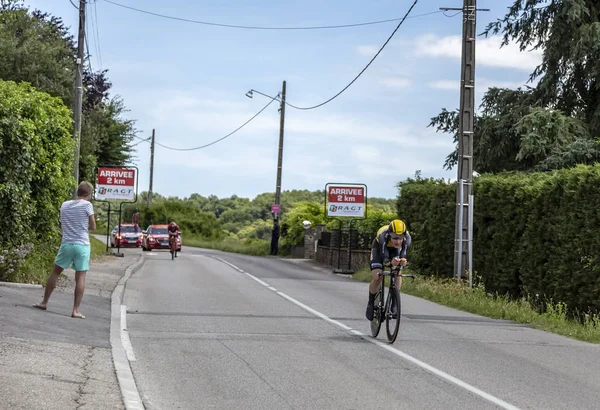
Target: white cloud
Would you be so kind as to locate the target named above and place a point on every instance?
(371, 162)
(186, 121)
(318, 146)
(366, 153)
(396, 82)
(310, 168)
(487, 51)
(444, 84)
(368, 51)
(480, 84)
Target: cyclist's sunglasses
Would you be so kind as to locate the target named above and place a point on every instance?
(396, 237)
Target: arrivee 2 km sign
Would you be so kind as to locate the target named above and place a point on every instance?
(346, 199)
(115, 183)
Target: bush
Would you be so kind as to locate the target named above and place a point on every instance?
(36, 160)
(428, 208)
(534, 234)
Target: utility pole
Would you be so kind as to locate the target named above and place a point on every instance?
(280, 155)
(151, 169)
(275, 235)
(464, 185)
(79, 89)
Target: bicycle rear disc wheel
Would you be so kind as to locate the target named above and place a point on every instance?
(392, 321)
(376, 322)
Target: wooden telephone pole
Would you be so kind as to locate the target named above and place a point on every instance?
(464, 187)
(77, 108)
(275, 234)
(151, 169)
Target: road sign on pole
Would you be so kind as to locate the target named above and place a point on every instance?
(346, 200)
(116, 183)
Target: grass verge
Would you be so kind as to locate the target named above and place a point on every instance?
(256, 248)
(448, 293)
(37, 266)
(97, 249)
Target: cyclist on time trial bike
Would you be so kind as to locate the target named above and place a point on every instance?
(173, 230)
(389, 248)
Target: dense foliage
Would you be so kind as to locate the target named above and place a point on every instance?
(243, 219)
(534, 234)
(37, 48)
(36, 155)
(555, 122)
(37, 72)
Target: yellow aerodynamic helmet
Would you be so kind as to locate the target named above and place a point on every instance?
(397, 227)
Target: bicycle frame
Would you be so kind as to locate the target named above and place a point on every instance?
(383, 310)
(173, 245)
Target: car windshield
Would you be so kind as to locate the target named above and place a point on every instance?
(129, 229)
(159, 231)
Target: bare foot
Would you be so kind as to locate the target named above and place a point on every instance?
(77, 315)
(40, 306)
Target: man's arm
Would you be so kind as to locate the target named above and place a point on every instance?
(92, 221)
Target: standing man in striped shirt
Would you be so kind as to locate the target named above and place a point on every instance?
(76, 219)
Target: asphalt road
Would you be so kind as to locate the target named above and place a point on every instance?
(217, 330)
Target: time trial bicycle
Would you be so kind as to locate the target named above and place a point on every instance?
(390, 310)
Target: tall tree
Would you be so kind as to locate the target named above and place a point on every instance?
(568, 32)
(556, 123)
(37, 48)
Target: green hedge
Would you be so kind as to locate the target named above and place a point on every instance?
(427, 206)
(36, 159)
(534, 234)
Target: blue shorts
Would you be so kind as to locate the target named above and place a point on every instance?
(78, 254)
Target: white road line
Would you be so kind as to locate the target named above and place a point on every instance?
(245, 273)
(125, 335)
(389, 348)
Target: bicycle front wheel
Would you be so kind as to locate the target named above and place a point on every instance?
(377, 316)
(392, 314)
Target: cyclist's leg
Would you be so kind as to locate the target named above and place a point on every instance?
(375, 280)
(376, 268)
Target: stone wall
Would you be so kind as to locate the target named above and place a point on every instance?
(317, 247)
(311, 236)
(338, 258)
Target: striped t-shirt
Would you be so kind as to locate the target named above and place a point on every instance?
(74, 219)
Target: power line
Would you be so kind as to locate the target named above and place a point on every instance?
(220, 139)
(451, 15)
(87, 46)
(364, 69)
(142, 140)
(207, 23)
(95, 24)
(71, 1)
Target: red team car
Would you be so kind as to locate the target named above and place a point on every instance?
(157, 237)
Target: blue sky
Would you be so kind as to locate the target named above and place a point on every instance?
(188, 82)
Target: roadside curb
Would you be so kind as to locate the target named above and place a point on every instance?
(20, 285)
(129, 392)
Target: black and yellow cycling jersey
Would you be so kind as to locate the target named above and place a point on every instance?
(382, 250)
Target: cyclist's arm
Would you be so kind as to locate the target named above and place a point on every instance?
(385, 251)
(405, 245)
